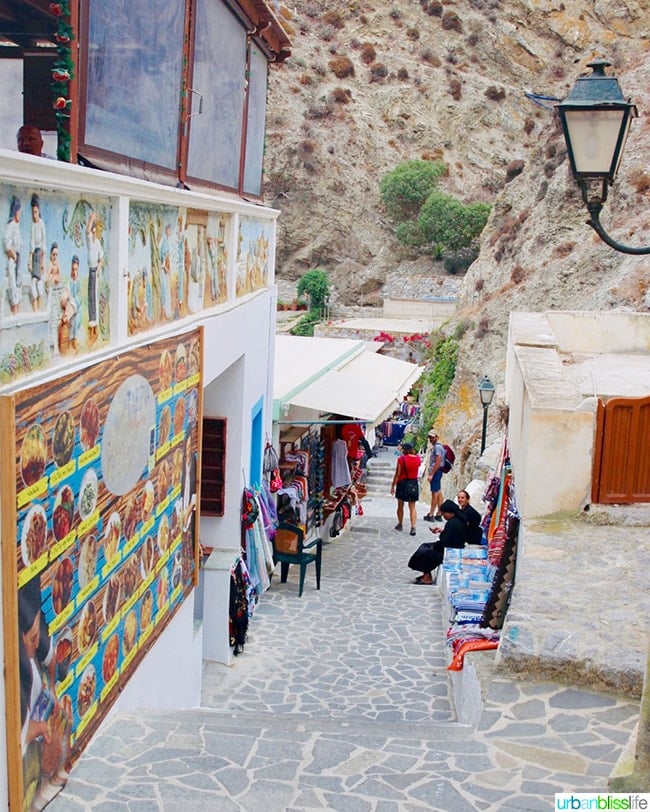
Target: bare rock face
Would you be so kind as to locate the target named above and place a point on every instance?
(449, 81)
(430, 80)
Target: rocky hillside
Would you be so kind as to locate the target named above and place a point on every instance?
(372, 84)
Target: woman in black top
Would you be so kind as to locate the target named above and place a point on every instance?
(472, 517)
(429, 556)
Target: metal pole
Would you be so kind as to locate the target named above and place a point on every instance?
(484, 432)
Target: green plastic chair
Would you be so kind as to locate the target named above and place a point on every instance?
(289, 548)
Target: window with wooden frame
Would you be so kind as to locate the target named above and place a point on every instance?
(176, 92)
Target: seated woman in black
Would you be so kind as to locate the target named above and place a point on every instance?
(428, 556)
(472, 517)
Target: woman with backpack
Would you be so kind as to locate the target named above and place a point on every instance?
(405, 485)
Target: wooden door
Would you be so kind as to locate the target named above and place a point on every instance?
(622, 452)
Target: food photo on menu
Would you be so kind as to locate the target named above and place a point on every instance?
(99, 524)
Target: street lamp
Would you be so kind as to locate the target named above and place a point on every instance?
(595, 119)
(486, 391)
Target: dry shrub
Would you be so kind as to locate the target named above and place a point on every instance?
(402, 74)
(326, 32)
(363, 19)
(378, 71)
(340, 96)
(495, 93)
(434, 9)
(306, 79)
(514, 169)
(368, 53)
(433, 155)
(529, 126)
(321, 109)
(308, 146)
(518, 274)
(640, 180)
(541, 192)
(455, 89)
(413, 34)
(472, 40)
(564, 249)
(452, 22)
(479, 285)
(428, 55)
(334, 18)
(341, 66)
(482, 328)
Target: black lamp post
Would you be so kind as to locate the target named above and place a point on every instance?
(596, 119)
(486, 391)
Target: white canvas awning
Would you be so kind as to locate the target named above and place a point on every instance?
(367, 387)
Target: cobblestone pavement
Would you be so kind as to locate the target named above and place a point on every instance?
(341, 701)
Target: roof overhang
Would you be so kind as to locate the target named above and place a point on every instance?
(364, 386)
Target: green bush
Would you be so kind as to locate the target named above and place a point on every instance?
(410, 234)
(435, 383)
(316, 284)
(404, 189)
(449, 224)
(305, 327)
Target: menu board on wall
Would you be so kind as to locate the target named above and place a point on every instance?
(103, 516)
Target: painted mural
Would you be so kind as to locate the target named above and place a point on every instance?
(178, 263)
(102, 548)
(253, 241)
(54, 282)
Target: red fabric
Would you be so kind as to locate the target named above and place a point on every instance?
(352, 433)
(409, 465)
(471, 645)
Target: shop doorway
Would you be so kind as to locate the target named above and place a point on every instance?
(621, 473)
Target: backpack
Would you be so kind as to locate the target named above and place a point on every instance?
(450, 459)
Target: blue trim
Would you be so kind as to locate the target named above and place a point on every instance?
(257, 426)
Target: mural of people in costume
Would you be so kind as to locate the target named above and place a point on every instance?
(12, 244)
(37, 253)
(95, 262)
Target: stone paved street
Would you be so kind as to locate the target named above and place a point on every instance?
(341, 701)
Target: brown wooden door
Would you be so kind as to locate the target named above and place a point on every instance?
(622, 451)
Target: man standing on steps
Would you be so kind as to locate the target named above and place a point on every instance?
(434, 475)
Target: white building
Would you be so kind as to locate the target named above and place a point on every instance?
(137, 322)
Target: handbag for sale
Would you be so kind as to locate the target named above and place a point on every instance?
(276, 480)
(270, 459)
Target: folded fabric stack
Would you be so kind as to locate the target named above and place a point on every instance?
(479, 580)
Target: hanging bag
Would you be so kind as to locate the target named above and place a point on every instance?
(276, 480)
(270, 460)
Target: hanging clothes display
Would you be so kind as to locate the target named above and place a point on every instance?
(258, 547)
(238, 607)
(340, 471)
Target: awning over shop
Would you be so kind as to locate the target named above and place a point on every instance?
(367, 387)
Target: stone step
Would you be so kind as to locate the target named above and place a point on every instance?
(223, 720)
